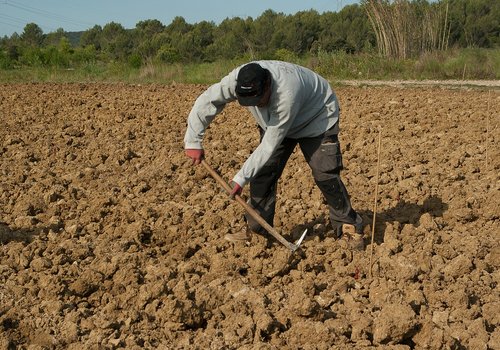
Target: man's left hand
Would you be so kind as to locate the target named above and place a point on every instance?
(237, 189)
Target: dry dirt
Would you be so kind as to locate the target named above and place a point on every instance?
(109, 238)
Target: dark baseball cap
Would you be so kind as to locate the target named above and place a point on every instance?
(250, 84)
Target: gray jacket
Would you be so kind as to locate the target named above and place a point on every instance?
(302, 104)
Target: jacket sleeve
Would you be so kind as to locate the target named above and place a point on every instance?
(207, 106)
(281, 117)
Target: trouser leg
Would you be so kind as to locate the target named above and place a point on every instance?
(263, 186)
(324, 156)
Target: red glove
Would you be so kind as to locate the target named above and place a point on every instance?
(237, 189)
(196, 155)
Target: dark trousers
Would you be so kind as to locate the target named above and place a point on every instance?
(324, 156)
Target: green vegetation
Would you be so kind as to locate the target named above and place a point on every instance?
(378, 39)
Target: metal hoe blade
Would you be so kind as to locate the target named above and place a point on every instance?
(296, 245)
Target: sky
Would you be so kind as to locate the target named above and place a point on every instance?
(80, 15)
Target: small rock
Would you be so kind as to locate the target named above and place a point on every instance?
(51, 197)
(464, 215)
(114, 342)
(25, 221)
(440, 318)
(491, 313)
(427, 222)
(73, 229)
(87, 283)
(479, 334)
(393, 324)
(40, 264)
(494, 342)
(69, 331)
(457, 267)
(493, 257)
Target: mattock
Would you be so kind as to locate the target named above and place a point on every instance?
(253, 213)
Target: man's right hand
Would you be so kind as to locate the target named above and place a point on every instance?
(196, 155)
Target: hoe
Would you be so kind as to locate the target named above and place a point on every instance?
(292, 246)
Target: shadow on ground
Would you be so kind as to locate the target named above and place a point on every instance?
(403, 213)
(7, 234)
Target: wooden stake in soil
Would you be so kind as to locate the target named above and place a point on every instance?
(487, 128)
(375, 200)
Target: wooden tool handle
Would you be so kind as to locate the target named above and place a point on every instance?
(251, 211)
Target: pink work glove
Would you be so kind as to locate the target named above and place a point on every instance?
(237, 189)
(195, 154)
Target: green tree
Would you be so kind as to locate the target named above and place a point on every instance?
(357, 31)
(115, 41)
(348, 30)
(179, 39)
(264, 29)
(304, 28)
(192, 45)
(54, 38)
(203, 33)
(149, 28)
(12, 47)
(92, 37)
(32, 35)
(64, 46)
(145, 43)
(476, 23)
(178, 26)
(231, 39)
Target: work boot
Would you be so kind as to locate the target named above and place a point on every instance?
(353, 239)
(243, 236)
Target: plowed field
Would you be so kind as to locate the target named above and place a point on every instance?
(109, 238)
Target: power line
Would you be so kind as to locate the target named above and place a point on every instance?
(16, 23)
(10, 24)
(47, 14)
(19, 23)
(14, 19)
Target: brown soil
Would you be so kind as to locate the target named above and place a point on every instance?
(109, 238)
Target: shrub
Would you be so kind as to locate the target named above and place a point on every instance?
(52, 56)
(85, 55)
(5, 61)
(285, 55)
(31, 56)
(168, 54)
(135, 61)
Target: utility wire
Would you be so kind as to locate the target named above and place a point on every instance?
(20, 23)
(10, 24)
(14, 19)
(47, 14)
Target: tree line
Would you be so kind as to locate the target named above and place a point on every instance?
(394, 28)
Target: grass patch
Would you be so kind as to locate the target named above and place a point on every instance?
(452, 64)
(459, 64)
